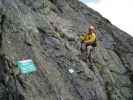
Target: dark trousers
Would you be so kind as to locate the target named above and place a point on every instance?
(87, 50)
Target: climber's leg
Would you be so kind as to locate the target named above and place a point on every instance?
(83, 51)
(93, 54)
(89, 52)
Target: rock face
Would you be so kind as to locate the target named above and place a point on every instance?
(47, 31)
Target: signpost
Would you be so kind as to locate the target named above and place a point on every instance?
(26, 66)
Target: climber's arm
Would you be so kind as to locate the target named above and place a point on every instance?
(82, 38)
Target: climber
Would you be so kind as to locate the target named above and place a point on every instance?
(88, 41)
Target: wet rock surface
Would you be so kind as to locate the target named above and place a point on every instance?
(47, 31)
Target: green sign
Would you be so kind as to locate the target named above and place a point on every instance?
(26, 66)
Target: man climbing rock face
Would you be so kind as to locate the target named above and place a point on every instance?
(88, 41)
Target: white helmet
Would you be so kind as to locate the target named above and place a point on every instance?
(92, 27)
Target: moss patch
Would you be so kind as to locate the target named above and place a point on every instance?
(99, 66)
(58, 34)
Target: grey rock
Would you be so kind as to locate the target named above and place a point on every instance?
(47, 31)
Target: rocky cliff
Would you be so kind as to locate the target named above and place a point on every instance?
(47, 31)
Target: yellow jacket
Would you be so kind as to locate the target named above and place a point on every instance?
(88, 38)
